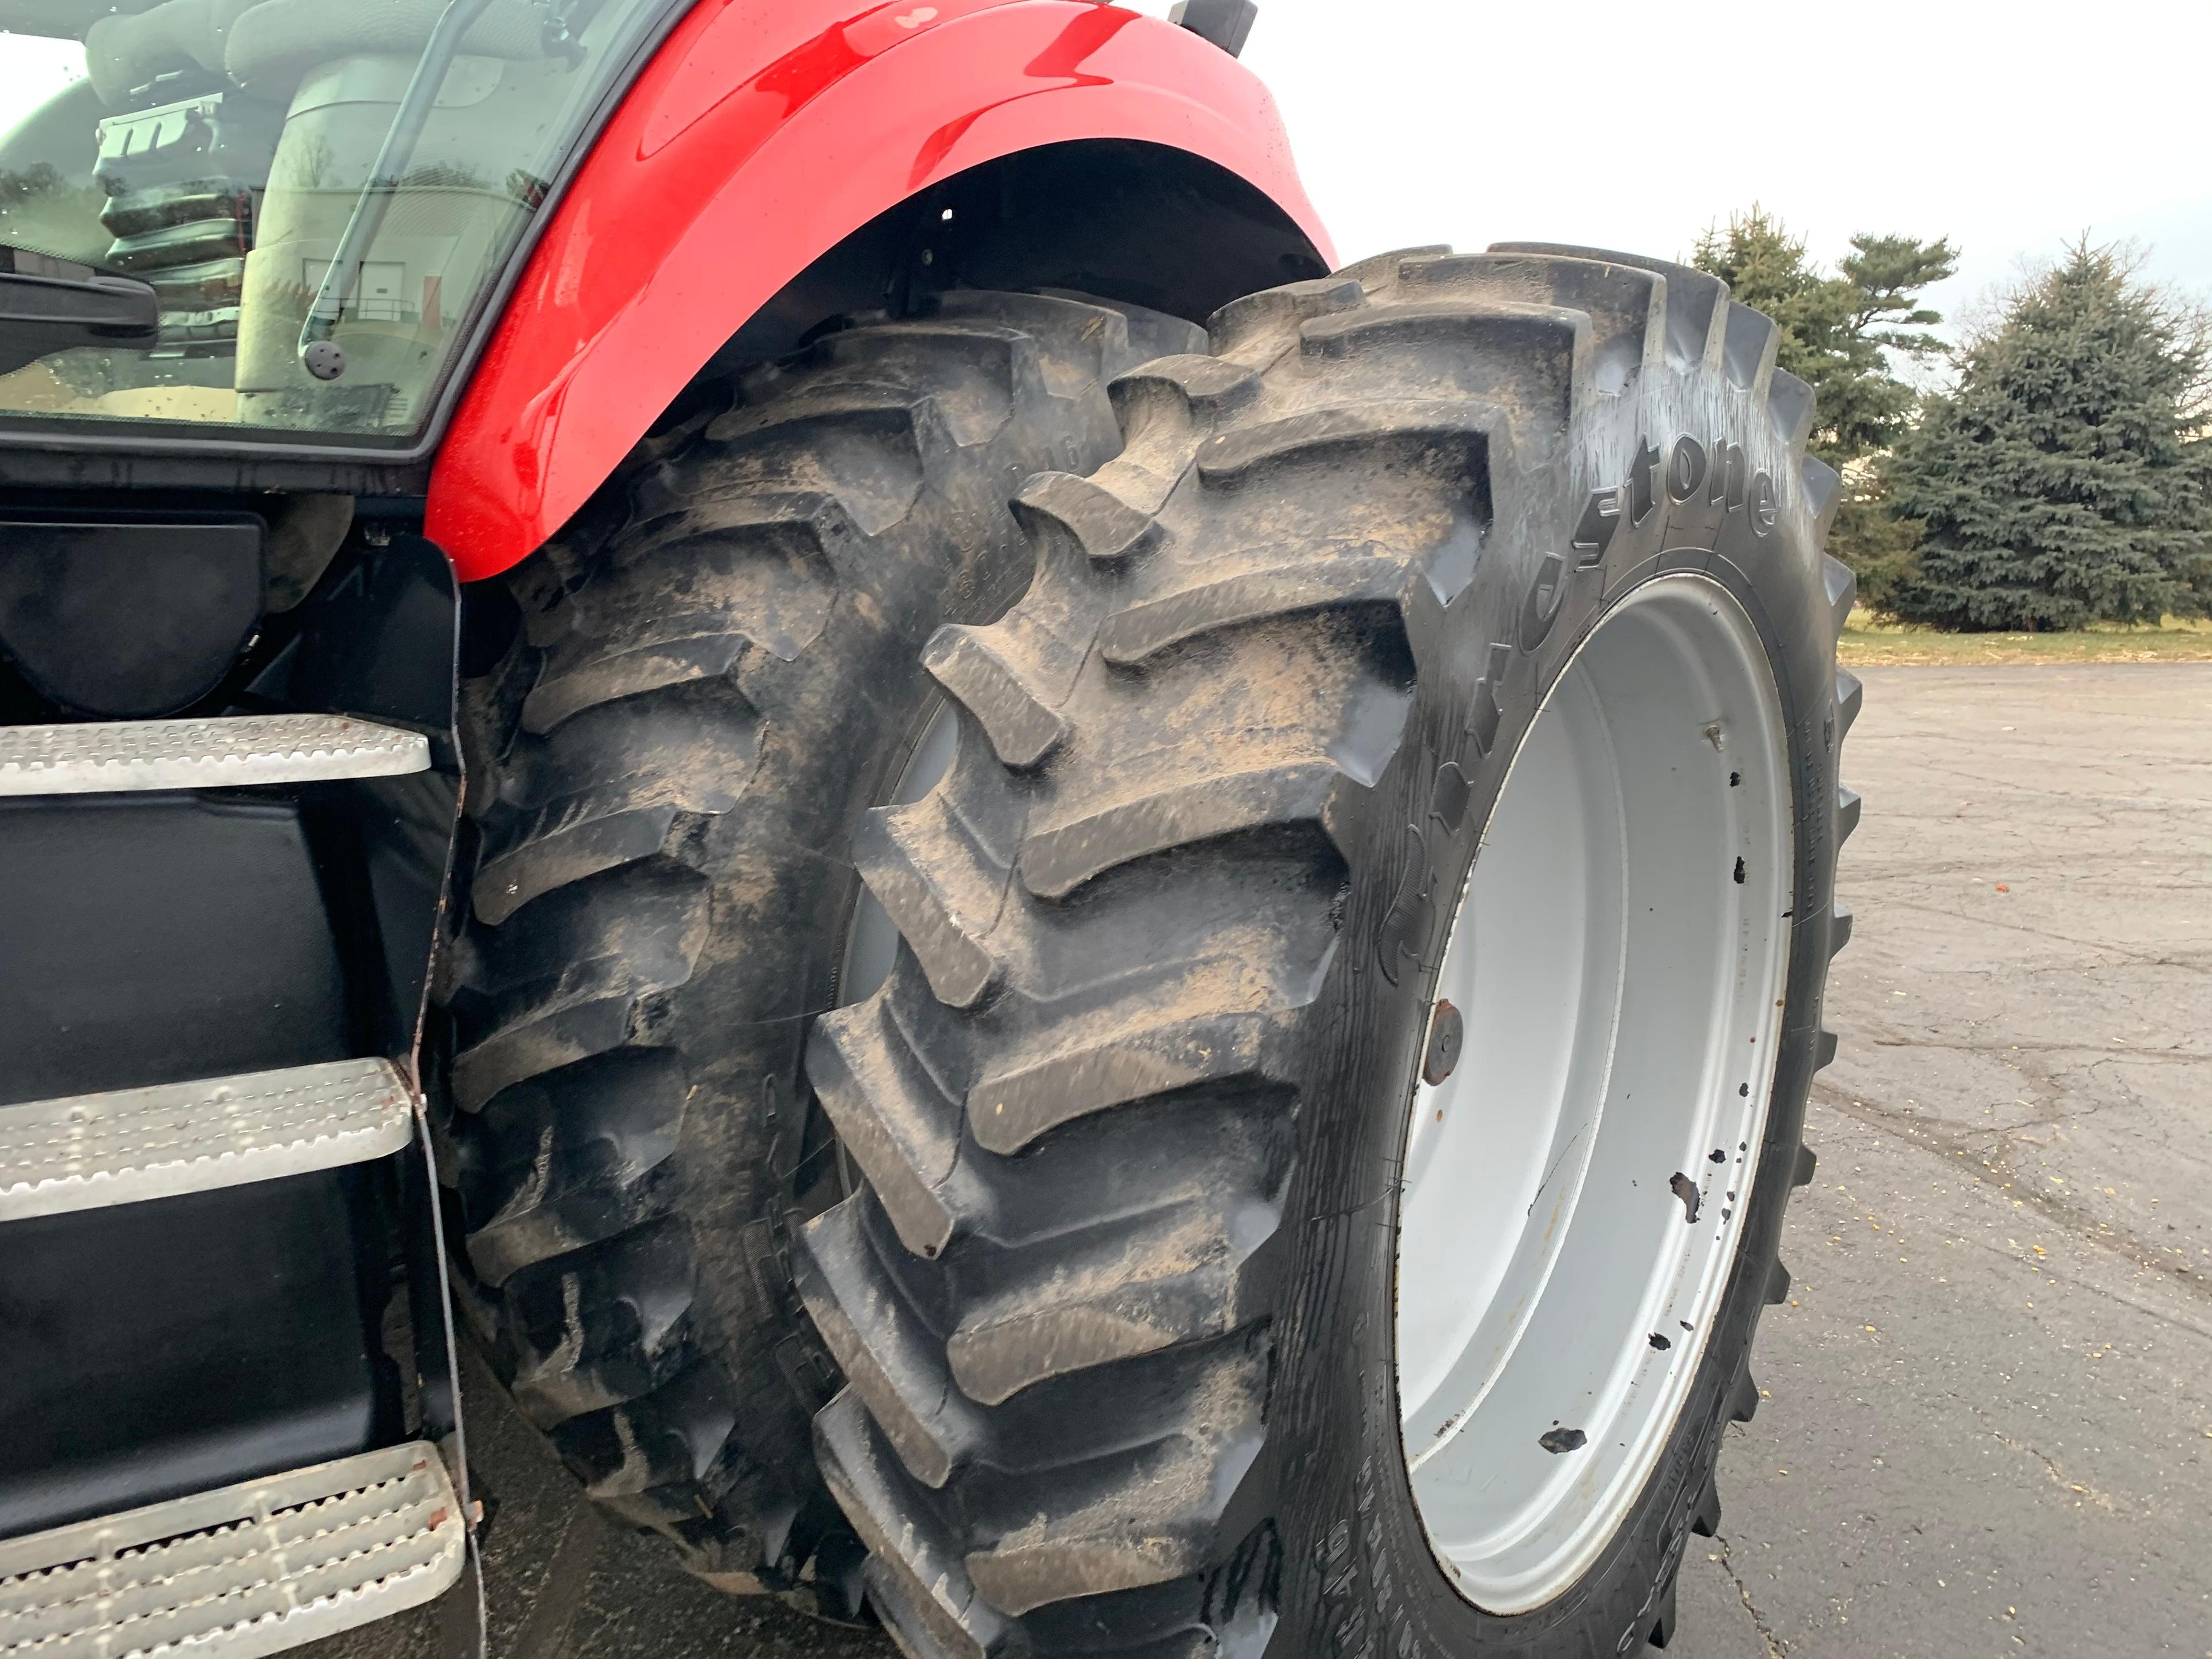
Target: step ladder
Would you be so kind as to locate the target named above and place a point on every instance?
(250, 1569)
(264, 1565)
(131, 1144)
(213, 754)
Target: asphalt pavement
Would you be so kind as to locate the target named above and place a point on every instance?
(1986, 1417)
(1989, 1421)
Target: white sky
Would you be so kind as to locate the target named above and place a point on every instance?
(31, 69)
(2009, 126)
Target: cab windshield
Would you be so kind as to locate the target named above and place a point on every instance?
(320, 192)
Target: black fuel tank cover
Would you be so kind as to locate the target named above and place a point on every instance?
(126, 617)
(1227, 23)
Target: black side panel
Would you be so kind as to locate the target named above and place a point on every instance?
(148, 1351)
(377, 641)
(382, 844)
(152, 939)
(380, 642)
(123, 618)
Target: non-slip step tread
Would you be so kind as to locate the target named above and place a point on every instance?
(245, 1572)
(109, 756)
(132, 1144)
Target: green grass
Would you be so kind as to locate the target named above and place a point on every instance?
(1869, 641)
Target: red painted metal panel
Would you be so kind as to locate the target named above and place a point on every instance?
(761, 134)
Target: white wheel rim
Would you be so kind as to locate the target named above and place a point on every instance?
(1622, 996)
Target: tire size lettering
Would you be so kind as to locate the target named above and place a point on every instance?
(1406, 932)
(1686, 470)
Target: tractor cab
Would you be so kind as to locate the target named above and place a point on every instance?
(323, 200)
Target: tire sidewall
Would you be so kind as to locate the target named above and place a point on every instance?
(1361, 1578)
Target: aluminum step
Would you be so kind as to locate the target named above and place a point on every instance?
(87, 1151)
(252, 1569)
(221, 754)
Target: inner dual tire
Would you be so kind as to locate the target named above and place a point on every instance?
(717, 674)
(1272, 1226)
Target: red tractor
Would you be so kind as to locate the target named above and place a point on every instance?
(1048, 924)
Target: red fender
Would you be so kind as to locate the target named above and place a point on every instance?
(761, 134)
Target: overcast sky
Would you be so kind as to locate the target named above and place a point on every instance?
(31, 70)
(2007, 126)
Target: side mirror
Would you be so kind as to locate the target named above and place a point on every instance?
(49, 305)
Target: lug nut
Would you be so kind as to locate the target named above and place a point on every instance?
(1447, 1032)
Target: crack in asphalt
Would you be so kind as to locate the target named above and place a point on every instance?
(2070, 1218)
(2035, 1077)
(2103, 1500)
(1776, 1647)
(2145, 958)
(2072, 1282)
(2103, 1054)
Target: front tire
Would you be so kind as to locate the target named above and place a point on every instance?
(1117, 1304)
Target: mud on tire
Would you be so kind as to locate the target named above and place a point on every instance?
(1114, 1302)
(718, 672)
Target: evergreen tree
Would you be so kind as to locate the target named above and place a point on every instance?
(2065, 480)
(1839, 333)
